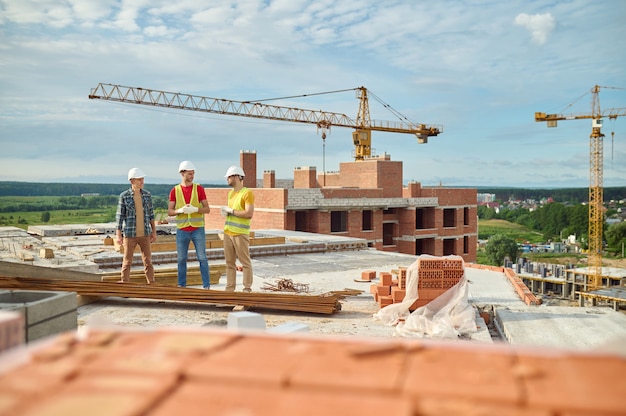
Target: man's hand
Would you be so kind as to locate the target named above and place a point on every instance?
(180, 210)
(226, 210)
(189, 209)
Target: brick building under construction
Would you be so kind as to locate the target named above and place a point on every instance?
(365, 199)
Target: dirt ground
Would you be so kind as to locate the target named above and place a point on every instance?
(355, 317)
(615, 263)
(606, 262)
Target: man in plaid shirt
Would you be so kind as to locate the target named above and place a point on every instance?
(135, 225)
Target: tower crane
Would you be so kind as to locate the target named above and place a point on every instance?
(363, 125)
(596, 175)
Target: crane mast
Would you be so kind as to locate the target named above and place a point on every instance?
(596, 177)
(362, 125)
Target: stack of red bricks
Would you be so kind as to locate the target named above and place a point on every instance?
(200, 371)
(435, 276)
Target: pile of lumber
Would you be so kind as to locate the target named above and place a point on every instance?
(320, 304)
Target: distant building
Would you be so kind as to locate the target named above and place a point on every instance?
(365, 199)
(484, 198)
(90, 194)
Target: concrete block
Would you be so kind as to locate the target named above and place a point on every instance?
(45, 313)
(55, 325)
(288, 328)
(46, 253)
(246, 320)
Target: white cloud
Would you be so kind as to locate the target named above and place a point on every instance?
(539, 25)
(453, 63)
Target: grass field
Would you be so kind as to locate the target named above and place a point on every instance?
(521, 234)
(87, 216)
(23, 211)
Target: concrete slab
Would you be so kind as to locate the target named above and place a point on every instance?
(491, 288)
(561, 326)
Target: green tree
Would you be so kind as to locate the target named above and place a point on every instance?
(500, 246)
(616, 236)
(45, 216)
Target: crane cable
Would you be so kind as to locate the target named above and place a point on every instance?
(299, 96)
(400, 116)
(612, 122)
(395, 112)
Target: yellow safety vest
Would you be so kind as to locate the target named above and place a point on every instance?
(237, 225)
(188, 220)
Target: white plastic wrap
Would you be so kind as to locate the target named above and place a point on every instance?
(447, 316)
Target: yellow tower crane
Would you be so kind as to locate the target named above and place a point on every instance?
(324, 120)
(596, 176)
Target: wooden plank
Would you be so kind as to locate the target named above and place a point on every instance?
(29, 270)
(266, 241)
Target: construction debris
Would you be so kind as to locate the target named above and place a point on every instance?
(343, 293)
(286, 285)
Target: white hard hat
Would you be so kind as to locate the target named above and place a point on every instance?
(185, 165)
(135, 173)
(234, 170)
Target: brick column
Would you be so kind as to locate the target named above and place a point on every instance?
(269, 179)
(247, 161)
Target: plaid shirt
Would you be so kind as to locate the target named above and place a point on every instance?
(126, 216)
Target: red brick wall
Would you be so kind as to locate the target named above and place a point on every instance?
(305, 177)
(373, 173)
(451, 196)
(412, 190)
(406, 219)
(390, 178)
(330, 179)
(323, 222)
(371, 178)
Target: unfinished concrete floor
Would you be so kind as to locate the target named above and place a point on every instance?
(549, 326)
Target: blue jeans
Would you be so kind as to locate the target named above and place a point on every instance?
(198, 237)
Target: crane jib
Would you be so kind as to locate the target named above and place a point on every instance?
(135, 95)
(363, 125)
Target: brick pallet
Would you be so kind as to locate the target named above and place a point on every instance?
(435, 276)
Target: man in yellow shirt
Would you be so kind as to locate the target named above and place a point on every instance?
(238, 215)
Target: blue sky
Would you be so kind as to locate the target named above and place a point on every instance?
(478, 68)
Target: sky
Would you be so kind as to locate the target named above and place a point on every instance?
(478, 69)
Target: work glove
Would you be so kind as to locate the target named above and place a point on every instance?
(190, 209)
(180, 210)
(226, 210)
